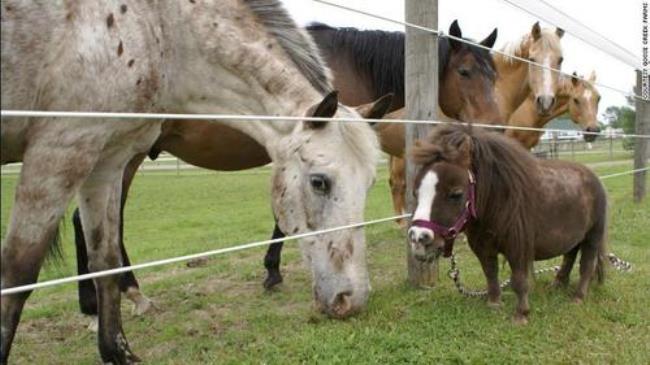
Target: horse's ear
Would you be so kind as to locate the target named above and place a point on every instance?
(376, 109)
(574, 79)
(592, 76)
(491, 39)
(325, 109)
(454, 30)
(559, 32)
(536, 32)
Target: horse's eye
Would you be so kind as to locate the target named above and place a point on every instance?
(575, 100)
(532, 59)
(455, 196)
(598, 100)
(320, 183)
(463, 72)
(559, 62)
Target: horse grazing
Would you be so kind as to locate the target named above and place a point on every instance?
(507, 202)
(577, 97)
(235, 56)
(517, 79)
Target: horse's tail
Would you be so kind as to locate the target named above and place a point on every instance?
(54, 249)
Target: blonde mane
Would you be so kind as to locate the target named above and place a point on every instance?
(519, 47)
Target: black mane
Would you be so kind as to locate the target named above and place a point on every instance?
(378, 53)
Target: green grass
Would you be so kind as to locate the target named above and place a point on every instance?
(219, 313)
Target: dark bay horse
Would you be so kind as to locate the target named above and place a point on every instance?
(466, 80)
(507, 202)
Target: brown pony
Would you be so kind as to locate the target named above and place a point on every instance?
(507, 202)
(577, 97)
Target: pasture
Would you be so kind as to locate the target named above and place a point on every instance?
(219, 313)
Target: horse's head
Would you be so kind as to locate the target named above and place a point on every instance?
(322, 172)
(543, 47)
(444, 189)
(467, 78)
(583, 105)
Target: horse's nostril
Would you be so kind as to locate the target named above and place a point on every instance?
(424, 238)
(342, 303)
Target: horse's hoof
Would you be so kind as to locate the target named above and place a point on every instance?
(494, 305)
(141, 304)
(119, 352)
(520, 320)
(577, 300)
(272, 280)
(93, 326)
(200, 262)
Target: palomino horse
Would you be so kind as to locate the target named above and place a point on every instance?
(188, 57)
(467, 78)
(578, 97)
(507, 202)
(517, 79)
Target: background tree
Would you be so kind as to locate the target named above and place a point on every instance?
(623, 117)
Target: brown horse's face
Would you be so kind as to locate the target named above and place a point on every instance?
(468, 80)
(583, 106)
(544, 48)
(441, 193)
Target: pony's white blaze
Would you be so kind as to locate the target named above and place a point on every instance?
(426, 194)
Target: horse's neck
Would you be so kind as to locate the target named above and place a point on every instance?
(231, 65)
(512, 84)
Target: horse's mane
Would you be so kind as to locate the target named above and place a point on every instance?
(296, 43)
(506, 178)
(374, 53)
(378, 53)
(305, 55)
(549, 39)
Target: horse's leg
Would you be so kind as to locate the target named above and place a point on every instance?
(520, 286)
(128, 283)
(99, 204)
(272, 260)
(490, 265)
(588, 262)
(397, 182)
(562, 276)
(49, 177)
(86, 288)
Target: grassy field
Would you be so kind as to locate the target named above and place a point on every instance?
(219, 313)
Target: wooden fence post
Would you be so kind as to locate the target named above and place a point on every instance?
(641, 144)
(421, 73)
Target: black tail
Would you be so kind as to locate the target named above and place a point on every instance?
(54, 249)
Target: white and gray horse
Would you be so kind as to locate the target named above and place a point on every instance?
(226, 56)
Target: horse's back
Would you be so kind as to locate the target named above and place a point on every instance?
(574, 204)
(69, 56)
